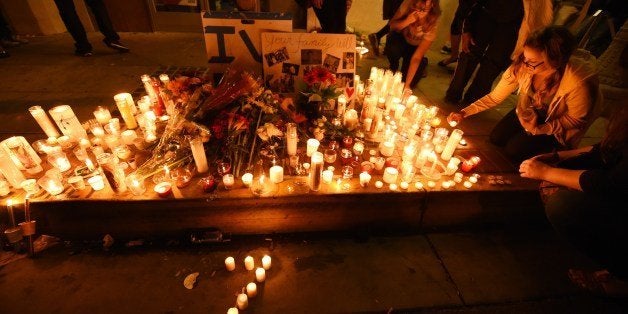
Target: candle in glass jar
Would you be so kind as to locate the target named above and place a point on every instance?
(316, 170)
(96, 182)
(276, 174)
(341, 105)
(230, 263)
(365, 178)
(126, 106)
(358, 148)
(247, 179)
(44, 121)
(128, 136)
(102, 115)
(292, 139)
(350, 119)
(452, 143)
(266, 262)
(232, 310)
(251, 290)
(390, 175)
(327, 176)
(198, 152)
(312, 146)
(228, 181)
(260, 274)
(387, 148)
(67, 122)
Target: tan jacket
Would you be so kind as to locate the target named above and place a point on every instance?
(576, 103)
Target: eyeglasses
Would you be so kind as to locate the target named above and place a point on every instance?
(532, 66)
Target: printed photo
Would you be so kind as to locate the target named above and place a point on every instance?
(344, 79)
(283, 84)
(290, 68)
(348, 60)
(279, 55)
(311, 56)
(331, 63)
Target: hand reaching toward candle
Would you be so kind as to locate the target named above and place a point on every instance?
(533, 169)
(455, 118)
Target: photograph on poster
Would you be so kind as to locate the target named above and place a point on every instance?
(311, 56)
(279, 55)
(290, 68)
(331, 63)
(348, 60)
(344, 79)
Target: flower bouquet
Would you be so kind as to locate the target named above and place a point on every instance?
(317, 89)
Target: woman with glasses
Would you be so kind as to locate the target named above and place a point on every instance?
(413, 30)
(558, 96)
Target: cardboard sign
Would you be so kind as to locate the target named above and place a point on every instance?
(287, 56)
(233, 38)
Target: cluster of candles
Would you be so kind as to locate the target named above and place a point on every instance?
(250, 291)
(105, 156)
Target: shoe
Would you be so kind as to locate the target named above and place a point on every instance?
(19, 39)
(374, 41)
(445, 50)
(10, 43)
(86, 53)
(116, 45)
(445, 62)
(599, 283)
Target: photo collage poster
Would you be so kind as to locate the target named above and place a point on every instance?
(288, 56)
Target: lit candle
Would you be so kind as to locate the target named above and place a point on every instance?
(228, 181)
(418, 185)
(292, 139)
(435, 122)
(387, 148)
(128, 136)
(44, 121)
(266, 262)
(328, 176)
(102, 115)
(379, 163)
(96, 182)
(341, 105)
(390, 175)
(399, 110)
(393, 187)
(365, 178)
(247, 179)
(242, 301)
(249, 263)
(445, 185)
(251, 290)
(163, 189)
(452, 143)
(408, 153)
(316, 171)
(312, 146)
(135, 184)
(404, 185)
(126, 106)
(467, 184)
(232, 310)
(473, 179)
(431, 184)
(379, 184)
(351, 119)
(230, 263)
(276, 174)
(260, 274)
(358, 148)
(463, 142)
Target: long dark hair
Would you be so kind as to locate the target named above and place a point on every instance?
(557, 43)
(432, 16)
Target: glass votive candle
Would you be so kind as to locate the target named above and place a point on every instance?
(102, 115)
(123, 152)
(80, 153)
(112, 141)
(365, 178)
(327, 176)
(29, 186)
(333, 144)
(40, 146)
(128, 136)
(113, 127)
(312, 146)
(358, 148)
(182, 177)
(228, 181)
(59, 160)
(96, 182)
(135, 184)
(51, 184)
(379, 163)
(347, 172)
(247, 179)
(347, 142)
(96, 128)
(346, 156)
(329, 155)
(390, 175)
(77, 183)
(64, 141)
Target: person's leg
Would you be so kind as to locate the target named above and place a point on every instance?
(333, 17)
(5, 31)
(394, 49)
(505, 129)
(467, 62)
(595, 225)
(102, 19)
(374, 38)
(67, 11)
(522, 146)
(383, 31)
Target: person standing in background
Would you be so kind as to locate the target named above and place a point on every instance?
(388, 9)
(70, 18)
(332, 14)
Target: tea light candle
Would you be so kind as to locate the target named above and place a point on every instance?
(393, 187)
(431, 184)
(418, 185)
(379, 184)
(365, 178)
(467, 184)
(312, 146)
(232, 310)
(445, 185)
(247, 179)
(249, 263)
(276, 174)
(163, 189)
(228, 181)
(379, 163)
(230, 263)
(266, 262)
(404, 185)
(473, 179)
(102, 115)
(390, 175)
(463, 142)
(98, 131)
(128, 136)
(327, 176)
(96, 182)
(260, 274)
(251, 290)
(387, 148)
(358, 148)
(242, 301)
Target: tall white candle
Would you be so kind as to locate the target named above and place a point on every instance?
(312, 146)
(387, 148)
(452, 143)
(67, 122)
(341, 105)
(266, 262)
(276, 174)
(10, 171)
(44, 121)
(292, 139)
(230, 263)
(102, 115)
(249, 263)
(260, 274)
(198, 152)
(126, 106)
(242, 301)
(251, 290)
(316, 170)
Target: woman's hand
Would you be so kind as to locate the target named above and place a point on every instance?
(528, 124)
(549, 158)
(455, 118)
(533, 169)
(466, 40)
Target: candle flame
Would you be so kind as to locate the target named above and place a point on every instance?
(10, 202)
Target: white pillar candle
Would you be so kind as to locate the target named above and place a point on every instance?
(128, 136)
(247, 179)
(312, 146)
(390, 175)
(198, 152)
(102, 115)
(276, 174)
(379, 184)
(452, 143)
(266, 262)
(249, 263)
(404, 185)
(328, 176)
(251, 290)
(387, 148)
(341, 105)
(365, 178)
(292, 138)
(351, 119)
(260, 274)
(67, 122)
(44, 121)
(316, 171)
(228, 181)
(242, 301)
(230, 263)
(232, 310)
